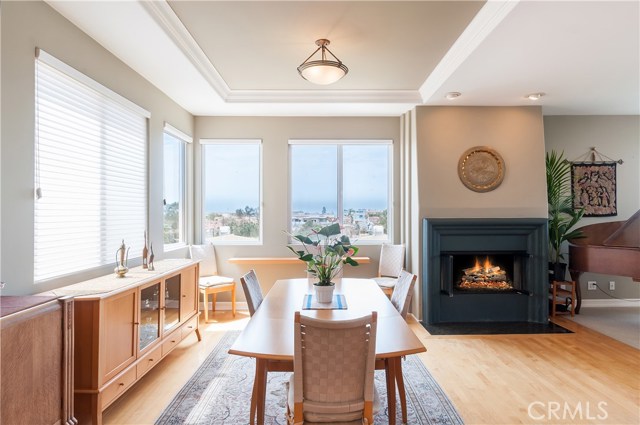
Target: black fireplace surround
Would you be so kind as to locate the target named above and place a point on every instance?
(519, 245)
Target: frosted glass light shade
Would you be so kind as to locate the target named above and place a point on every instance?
(322, 72)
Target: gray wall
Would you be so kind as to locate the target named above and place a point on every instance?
(25, 26)
(516, 133)
(275, 133)
(617, 137)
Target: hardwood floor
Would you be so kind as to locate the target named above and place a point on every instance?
(584, 377)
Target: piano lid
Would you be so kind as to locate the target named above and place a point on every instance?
(628, 235)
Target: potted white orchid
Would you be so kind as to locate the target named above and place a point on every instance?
(325, 251)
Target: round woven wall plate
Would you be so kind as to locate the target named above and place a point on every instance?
(481, 169)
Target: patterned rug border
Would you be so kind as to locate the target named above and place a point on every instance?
(218, 393)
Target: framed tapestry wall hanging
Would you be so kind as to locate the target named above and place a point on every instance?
(593, 185)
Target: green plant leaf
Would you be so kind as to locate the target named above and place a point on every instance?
(351, 261)
(562, 215)
(304, 239)
(330, 230)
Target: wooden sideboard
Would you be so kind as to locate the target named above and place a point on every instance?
(36, 358)
(125, 326)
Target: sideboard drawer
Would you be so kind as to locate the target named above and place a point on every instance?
(148, 361)
(118, 386)
(172, 341)
(190, 326)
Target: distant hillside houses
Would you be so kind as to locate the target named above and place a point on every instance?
(356, 222)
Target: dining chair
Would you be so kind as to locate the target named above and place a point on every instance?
(401, 300)
(252, 291)
(389, 268)
(333, 371)
(210, 283)
(403, 293)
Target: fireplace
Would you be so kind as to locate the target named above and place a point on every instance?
(484, 270)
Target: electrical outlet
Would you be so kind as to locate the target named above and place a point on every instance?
(592, 285)
(612, 285)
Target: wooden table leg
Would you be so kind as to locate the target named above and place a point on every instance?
(389, 366)
(260, 389)
(400, 382)
(254, 398)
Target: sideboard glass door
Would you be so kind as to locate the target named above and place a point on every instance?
(149, 329)
(171, 302)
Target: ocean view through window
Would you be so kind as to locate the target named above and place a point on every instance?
(341, 181)
(231, 195)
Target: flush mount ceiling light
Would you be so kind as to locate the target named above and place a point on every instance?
(453, 95)
(534, 96)
(322, 71)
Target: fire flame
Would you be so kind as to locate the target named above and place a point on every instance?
(485, 267)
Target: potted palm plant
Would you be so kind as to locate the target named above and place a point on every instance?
(325, 251)
(562, 215)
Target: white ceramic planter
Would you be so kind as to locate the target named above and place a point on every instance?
(324, 294)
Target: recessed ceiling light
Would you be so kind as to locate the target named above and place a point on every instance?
(534, 96)
(453, 94)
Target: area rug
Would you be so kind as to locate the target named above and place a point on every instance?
(219, 393)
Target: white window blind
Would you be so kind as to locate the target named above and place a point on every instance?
(90, 172)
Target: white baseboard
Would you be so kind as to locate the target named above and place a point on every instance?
(226, 305)
(611, 302)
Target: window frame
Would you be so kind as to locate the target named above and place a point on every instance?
(186, 141)
(340, 181)
(226, 141)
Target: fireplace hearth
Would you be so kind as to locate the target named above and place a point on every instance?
(484, 270)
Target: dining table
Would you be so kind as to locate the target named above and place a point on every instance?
(269, 335)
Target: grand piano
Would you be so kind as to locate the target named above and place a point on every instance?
(608, 248)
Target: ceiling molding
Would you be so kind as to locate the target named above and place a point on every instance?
(324, 96)
(171, 24)
(166, 18)
(487, 19)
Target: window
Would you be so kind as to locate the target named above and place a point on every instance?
(90, 172)
(231, 191)
(174, 214)
(346, 181)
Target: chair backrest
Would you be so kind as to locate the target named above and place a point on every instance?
(334, 365)
(252, 291)
(391, 260)
(403, 293)
(207, 254)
